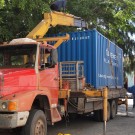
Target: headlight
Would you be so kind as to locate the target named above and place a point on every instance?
(8, 106)
(4, 106)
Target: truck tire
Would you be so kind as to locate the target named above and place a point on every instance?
(108, 111)
(116, 105)
(36, 124)
(113, 109)
(98, 115)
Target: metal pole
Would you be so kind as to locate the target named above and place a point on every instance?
(104, 128)
(105, 94)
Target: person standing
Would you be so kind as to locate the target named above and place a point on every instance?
(58, 5)
(132, 90)
(126, 83)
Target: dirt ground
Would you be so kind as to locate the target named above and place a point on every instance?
(121, 125)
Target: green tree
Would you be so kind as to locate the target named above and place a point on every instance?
(17, 18)
(114, 18)
(1, 3)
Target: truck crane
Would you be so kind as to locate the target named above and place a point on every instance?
(53, 19)
(35, 91)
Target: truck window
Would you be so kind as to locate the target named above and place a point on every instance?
(48, 58)
(43, 60)
(1, 60)
(17, 56)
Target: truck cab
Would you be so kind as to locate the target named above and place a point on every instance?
(28, 81)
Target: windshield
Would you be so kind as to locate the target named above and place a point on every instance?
(17, 56)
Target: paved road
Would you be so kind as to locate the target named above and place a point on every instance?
(121, 125)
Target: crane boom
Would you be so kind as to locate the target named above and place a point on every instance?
(55, 18)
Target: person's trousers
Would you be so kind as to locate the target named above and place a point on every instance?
(133, 101)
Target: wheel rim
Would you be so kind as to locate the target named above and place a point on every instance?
(39, 128)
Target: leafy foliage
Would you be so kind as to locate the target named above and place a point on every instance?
(114, 18)
(19, 17)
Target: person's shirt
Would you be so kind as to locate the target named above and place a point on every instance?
(60, 4)
(131, 89)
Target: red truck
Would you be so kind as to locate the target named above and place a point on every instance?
(32, 93)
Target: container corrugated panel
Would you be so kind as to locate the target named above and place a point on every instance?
(103, 60)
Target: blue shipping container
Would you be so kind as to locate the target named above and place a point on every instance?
(103, 60)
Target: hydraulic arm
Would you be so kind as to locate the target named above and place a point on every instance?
(55, 18)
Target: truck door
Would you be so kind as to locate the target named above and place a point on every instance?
(48, 74)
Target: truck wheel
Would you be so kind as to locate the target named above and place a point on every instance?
(116, 105)
(113, 109)
(108, 111)
(36, 124)
(98, 115)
